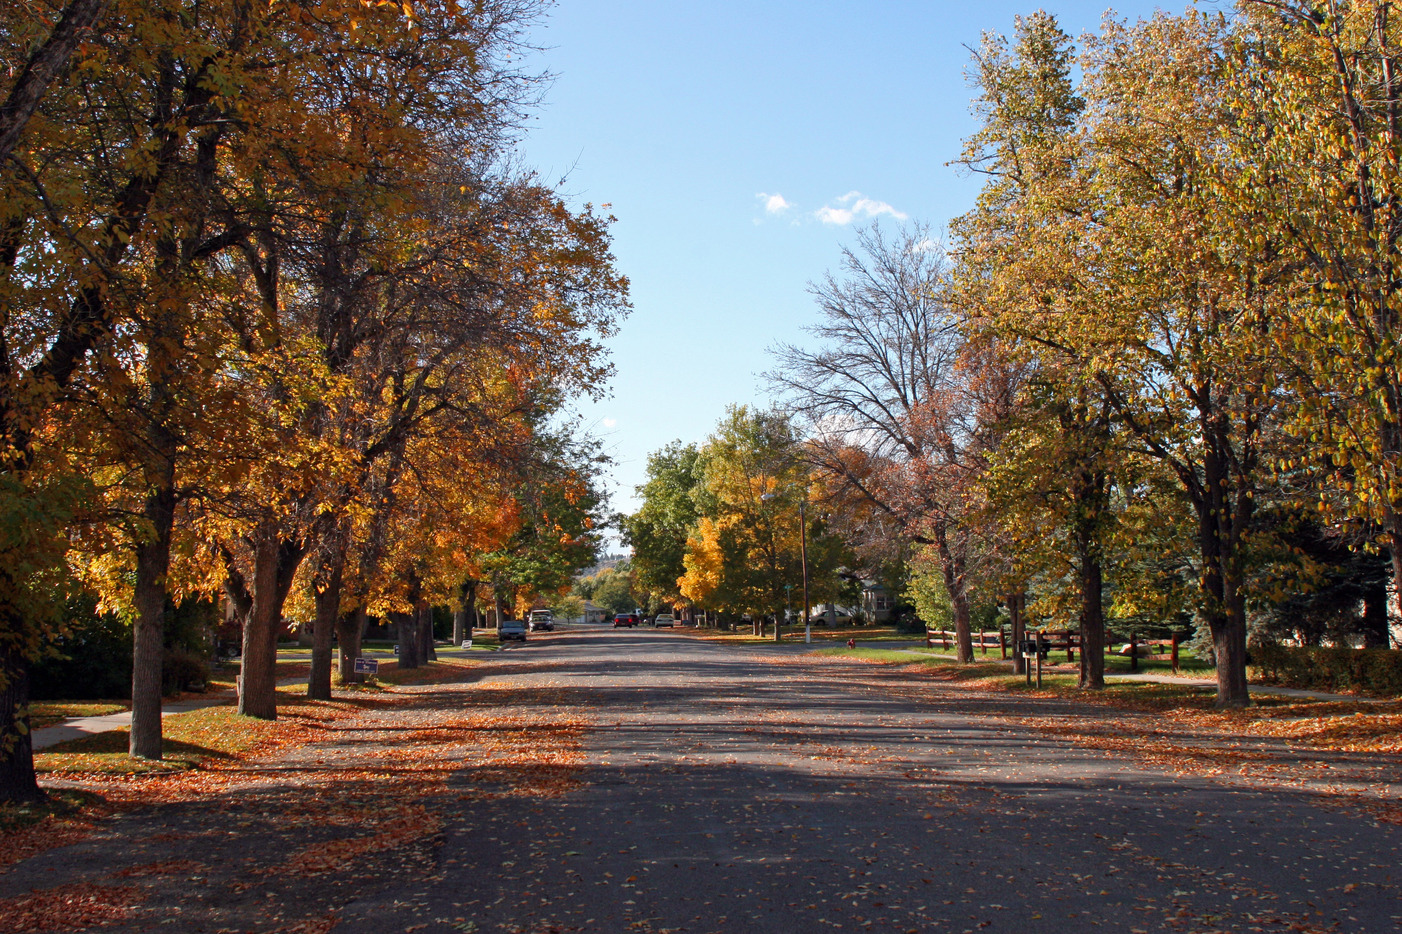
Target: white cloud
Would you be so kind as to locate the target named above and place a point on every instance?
(856, 206)
(775, 203)
(610, 423)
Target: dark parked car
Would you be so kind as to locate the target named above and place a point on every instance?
(625, 619)
(511, 629)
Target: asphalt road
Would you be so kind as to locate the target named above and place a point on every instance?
(730, 790)
(725, 788)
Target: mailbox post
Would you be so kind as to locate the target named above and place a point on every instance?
(1031, 648)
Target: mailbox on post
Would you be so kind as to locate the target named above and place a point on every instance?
(1032, 649)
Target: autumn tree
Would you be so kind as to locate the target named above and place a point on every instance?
(1314, 92)
(108, 142)
(744, 554)
(658, 531)
(895, 416)
(1054, 461)
(1105, 256)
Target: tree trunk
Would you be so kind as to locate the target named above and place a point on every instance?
(350, 629)
(1392, 525)
(1377, 633)
(954, 583)
(148, 631)
(1228, 629)
(1016, 604)
(1092, 622)
(407, 624)
(463, 616)
(1089, 497)
(48, 62)
(328, 613)
(257, 682)
(426, 646)
(17, 781)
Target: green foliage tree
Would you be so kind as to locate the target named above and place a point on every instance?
(658, 531)
(744, 556)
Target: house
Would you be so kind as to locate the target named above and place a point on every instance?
(878, 606)
(595, 614)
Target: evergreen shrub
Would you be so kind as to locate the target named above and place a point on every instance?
(1367, 671)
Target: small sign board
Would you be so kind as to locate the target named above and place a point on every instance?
(467, 643)
(367, 666)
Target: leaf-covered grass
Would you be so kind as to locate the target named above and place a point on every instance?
(795, 634)
(58, 803)
(445, 669)
(900, 656)
(189, 740)
(48, 713)
(1059, 679)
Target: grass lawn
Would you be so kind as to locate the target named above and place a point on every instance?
(205, 738)
(48, 712)
(190, 740)
(1060, 680)
(794, 634)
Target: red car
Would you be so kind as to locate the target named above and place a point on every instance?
(625, 619)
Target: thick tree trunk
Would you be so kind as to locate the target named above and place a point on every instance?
(48, 62)
(1092, 622)
(328, 613)
(350, 630)
(954, 582)
(1392, 525)
(1016, 605)
(17, 780)
(1226, 621)
(1377, 633)
(148, 632)
(1089, 495)
(463, 615)
(257, 682)
(429, 650)
(410, 634)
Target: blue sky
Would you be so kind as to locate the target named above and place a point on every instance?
(739, 144)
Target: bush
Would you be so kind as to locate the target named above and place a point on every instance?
(91, 662)
(909, 623)
(182, 670)
(1369, 671)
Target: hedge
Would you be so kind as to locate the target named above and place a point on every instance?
(1366, 671)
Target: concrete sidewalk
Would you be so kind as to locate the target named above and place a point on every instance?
(78, 727)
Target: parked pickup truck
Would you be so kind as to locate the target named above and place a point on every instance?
(542, 621)
(511, 629)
